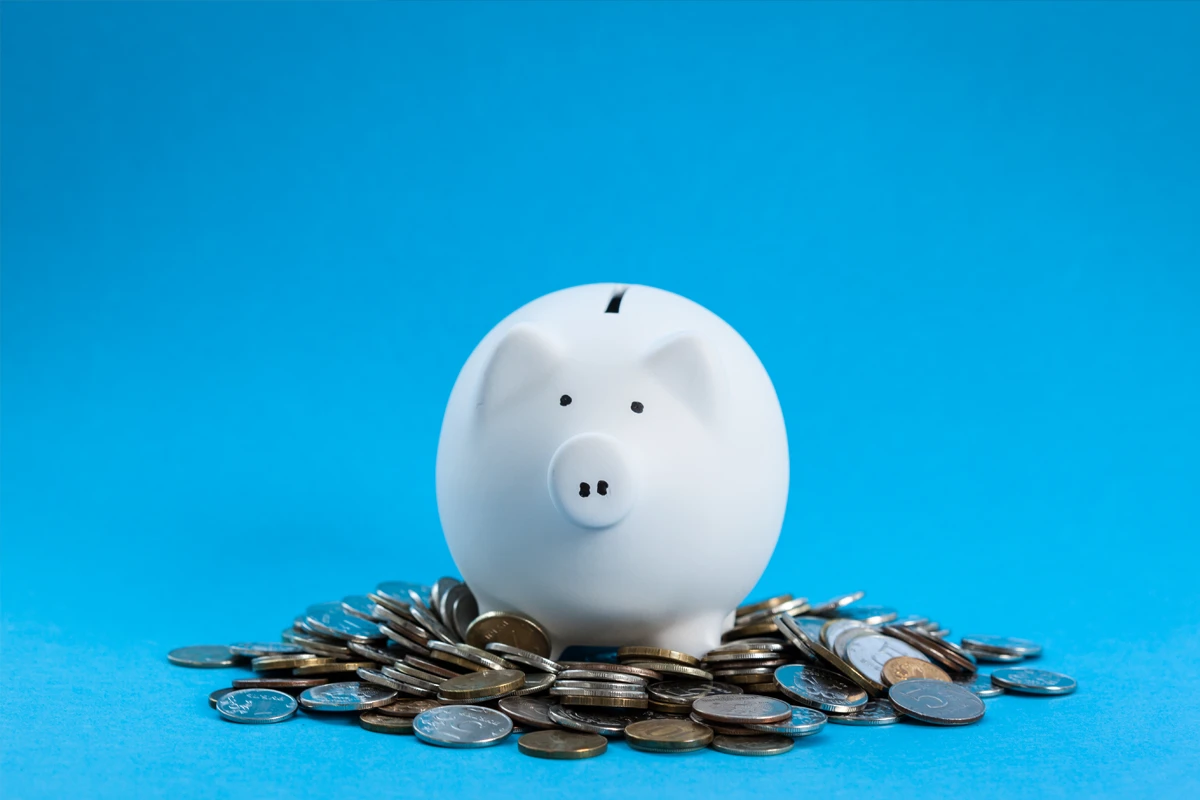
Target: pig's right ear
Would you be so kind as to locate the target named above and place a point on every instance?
(524, 358)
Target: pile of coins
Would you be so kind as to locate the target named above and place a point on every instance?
(421, 660)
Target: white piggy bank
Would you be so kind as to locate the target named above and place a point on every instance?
(613, 463)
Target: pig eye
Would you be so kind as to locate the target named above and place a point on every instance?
(565, 400)
(636, 406)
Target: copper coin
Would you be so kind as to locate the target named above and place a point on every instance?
(563, 745)
(904, 668)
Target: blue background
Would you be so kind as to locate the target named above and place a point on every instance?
(246, 249)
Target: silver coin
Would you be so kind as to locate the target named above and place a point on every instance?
(378, 678)
(256, 706)
(535, 684)
(990, 657)
(333, 621)
(437, 597)
(800, 635)
(525, 657)
(359, 605)
(720, 659)
(819, 688)
(688, 692)
(980, 684)
(870, 652)
(428, 621)
(794, 607)
(403, 592)
(936, 702)
(463, 610)
(1033, 681)
(911, 620)
(766, 744)
(874, 712)
(203, 656)
(401, 674)
(402, 641)
(804, 722)
(872, 615)
(834, 628)
(606, 723)
(256, 649)
(596, 689)
(473, 654)
(462, 726)
(772, 645)
(1006, 645)
(830, 607)
(742, 709)
(348, 696)
(531, 712)
(314, 646)
(373, 653)
(597, 675)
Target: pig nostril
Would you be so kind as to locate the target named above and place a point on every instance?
(602, 487)
(585, 490)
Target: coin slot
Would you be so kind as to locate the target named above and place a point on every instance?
(614, 303)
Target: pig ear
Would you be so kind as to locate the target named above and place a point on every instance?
(690, 369)
(523, 358)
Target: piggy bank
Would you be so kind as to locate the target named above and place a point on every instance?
(613, 463)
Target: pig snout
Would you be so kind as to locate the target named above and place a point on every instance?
(590, 480)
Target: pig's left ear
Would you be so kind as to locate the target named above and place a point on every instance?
(691, 370)
(524, 358)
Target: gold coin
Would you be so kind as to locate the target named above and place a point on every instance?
(333, 667)
(668, 735)
(674, 669)
(670, 708)
(753, 629)
(724, 730)
(482, 684)
(267, 663)
(511, 628)
(639, 653)
(604, 702)
(762, 605)
(903, 668)
(760, 688)
(562, 744)
(384, 723)
(450, 658)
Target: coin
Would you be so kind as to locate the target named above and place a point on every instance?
(594, 720)
(563, 745)
(872, 615)
(764, 744)
(511, 628)
(980, 684)
(538, 682)
(751, 644)
(750, 629)
(438, 595)
(385, 723)
(255, 649)
(202, 656)
(714, 659)
(873, 712)
(256, 706)
(271, 663)
(430, 622)
(373, 653)
(597, 689)
(282, 684)
(598, 675)
(604, 701)
(525, 657)
(830, 607)
(426, 665)
(719, 729)
(684, 693)
(408, 707)
(672, 668)
(316, 645)
(819, 688)
(803, 722)
(217, 695)
(1005, 645)
(762, 605)
(993, 657)
(794, 607)
(637, 654)
(404, 593)
(463, 610)
(531, 712)
(330, 619)
(795, 632)
(1033, 681)
(868, 654)
(462, 726)
(402, 641)
(332, 668)
(903, 668)
(359, 605)
(348, 696)
(402, 680)
(942, 653)
(742, 709)
(598, 666)
(482, 684)
(668, 735)
(834, 628)
(936, 702)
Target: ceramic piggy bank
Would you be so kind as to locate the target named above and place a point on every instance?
(613, 463)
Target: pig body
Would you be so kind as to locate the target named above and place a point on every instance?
(613, 463)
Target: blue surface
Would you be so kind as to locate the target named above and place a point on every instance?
(246, 249)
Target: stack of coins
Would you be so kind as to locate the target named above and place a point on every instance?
(414, 659)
